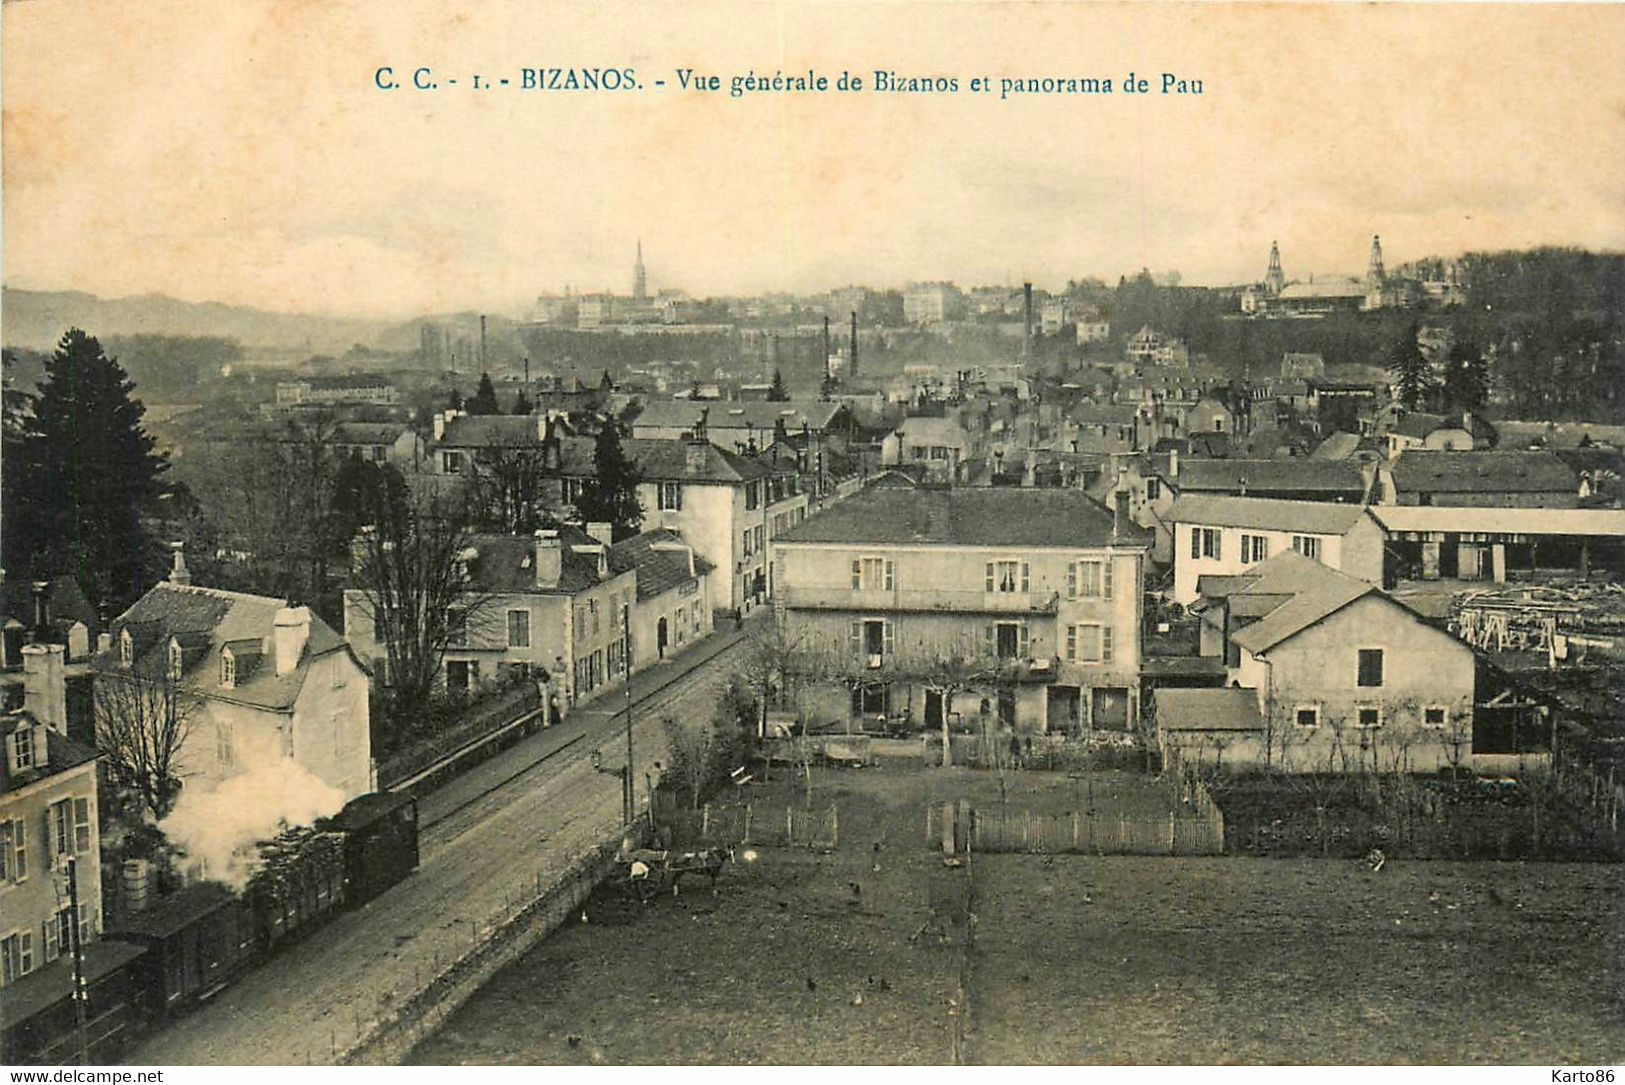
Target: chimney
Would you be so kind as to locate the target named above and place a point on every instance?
(104, 643)
(602, 530)
(694, 453)
(852, 365)
(1173, 463)
(1027, 313)
(1120, 515)
(178, 573)
(45, 691)
(289, 634)
(549, 559)
(440, 424)
(42, 607)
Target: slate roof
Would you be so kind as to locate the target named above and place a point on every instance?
(1208, 710)
(966, 517)
(204, 620)
(491, 431)
(1336, 286)
(506, 564)
(61, 754)
(1103, 414)
(1297, 475)
(1426, 471)
(1310, 591)
(659, 570)
(666, 460)
(1310, 517)
(1417, 425)
(1339, 446)
(761, 416)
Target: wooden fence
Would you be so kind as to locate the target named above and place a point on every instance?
(758, 824)
(1011, 830)
(513, 713)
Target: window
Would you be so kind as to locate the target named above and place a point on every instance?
(873, 637)
(459, 674)
(16, 955)
(1436, 716)
(1370, 717)
(1370, 667)
(1009, 640)
(457, 626)
(1007, 576)
(451, 462)
(873, 574)
(1153, 489)
(1307, 715)
(59, 934)
(573, 488)
(176, 660)
(1090, 580)
(670, 496)
(1205, 543)
(13, 851)
(21, 742)
(1307, 545)
(746, 543)
(753, 495)
(869, 699)
(1254, 548)
(228, 669)
(69, 822)
(1089, 643)
(225, 749)
(126, 648)
(518, 629)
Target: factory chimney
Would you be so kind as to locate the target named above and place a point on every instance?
(852, 366)
(484, 368)
(1027, 316)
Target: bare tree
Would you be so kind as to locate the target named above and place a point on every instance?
(142, 721)
(412, 573)
(692, 747)
(511, 489)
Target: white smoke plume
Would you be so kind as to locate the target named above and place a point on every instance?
(220, 827)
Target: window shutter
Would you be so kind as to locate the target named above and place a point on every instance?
(891, 575)
(1072, 642)
(990, 576)
(1196, 542)
(19, 836)
(81, 826)
(888, 640)
(1106, 643)
(1106, 577)
(1218, 545)
(1023, 641)
(990, 635)
(1025, 581)
(1072, 580)
(857, 574)
(857, 638)
(53, 947)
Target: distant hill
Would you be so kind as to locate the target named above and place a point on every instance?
(33, 318)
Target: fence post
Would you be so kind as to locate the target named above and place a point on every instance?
(1172, 848)
(789, 827)
(1027, 830)
(705, 823)
(1074, 830)
(834, 826)
(747, 824)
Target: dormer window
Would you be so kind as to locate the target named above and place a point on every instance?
(126, 648)
(20, 748)
(228, 669)
(175, 660)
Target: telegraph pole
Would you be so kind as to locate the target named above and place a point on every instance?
(80, 993)
(629, 788)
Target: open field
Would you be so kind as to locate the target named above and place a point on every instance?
(1070, 959)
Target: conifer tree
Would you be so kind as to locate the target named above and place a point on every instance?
(484, 399)
(778, 393)
(612, 495)
(88, 473)
(1410, 370)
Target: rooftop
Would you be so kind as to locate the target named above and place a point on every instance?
(1420, 470)
(1314, 517)
(1294, 475)
(1305, 591)
(967, 517)
(721, 415)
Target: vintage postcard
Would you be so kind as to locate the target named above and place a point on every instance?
(790, 533)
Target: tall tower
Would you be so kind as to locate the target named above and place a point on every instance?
(640, 277)
(1374, 273)
(1274, 278)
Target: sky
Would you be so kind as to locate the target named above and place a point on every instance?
(243, 153)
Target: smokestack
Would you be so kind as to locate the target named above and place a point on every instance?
(852, 366)
(484, 368)
(549, 559)
(826, 346)
(289, 634)
(45, 691)
(42, 607)
(1027, 314)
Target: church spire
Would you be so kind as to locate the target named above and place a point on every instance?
(640, 277)
(1274, 279)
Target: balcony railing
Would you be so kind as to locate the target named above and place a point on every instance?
(920, 600)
